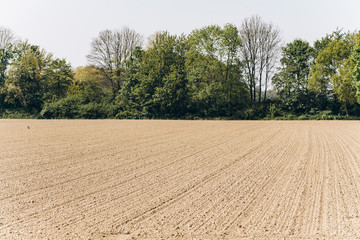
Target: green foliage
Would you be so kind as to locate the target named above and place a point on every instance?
(355, 61)
(18, 113)
(320, 45)
(199, 76)
(214, 71)
(64, 108)
(333, 70)
(318, 115)
(6, 54)
(23, 85)
(74, 106)
(292, 77)
(155, 84)
(56, 80)
(272, 109)
(295, 67)
(34, 77)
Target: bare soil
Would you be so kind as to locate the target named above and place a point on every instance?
(117, 179)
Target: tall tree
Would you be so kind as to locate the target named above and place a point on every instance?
(57, 78)
(7, 40)
(214, 70)
(157, 83)
(320, 45)
(268, 55)
(355, 58)
(35, 77)
(292, 77)
(295, 67)
(110, 50)
(331, 72)
(259, 51)
(23, 84)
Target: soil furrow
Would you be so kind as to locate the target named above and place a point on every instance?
(161, 179)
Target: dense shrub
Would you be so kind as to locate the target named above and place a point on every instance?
(18, 114)
(64, 108)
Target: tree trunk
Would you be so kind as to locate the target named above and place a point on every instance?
(346, 109)
(265, 91)
(260, 82)
(266, 83)
(253, 82)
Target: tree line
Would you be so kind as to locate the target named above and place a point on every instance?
(216, 71)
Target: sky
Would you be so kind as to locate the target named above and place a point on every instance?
(66, 27)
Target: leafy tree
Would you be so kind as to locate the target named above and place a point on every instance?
(292, 77)
(34, 77)
(320, 45)
(6, 55)
(343, 84)
(57, 78)
(129, 97)
(23, 85)
(158, 86)
(295, 67)
(88, 73)
(7, 40)
(90, 83)
(355, 61)
(331, 72)
(213, 70)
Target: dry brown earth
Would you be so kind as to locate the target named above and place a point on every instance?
(81, 179)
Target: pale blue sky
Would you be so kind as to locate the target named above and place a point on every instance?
(66, 27)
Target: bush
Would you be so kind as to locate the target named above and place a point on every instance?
(18, 114)
(287, 117)
(303, 117)
(64, 108)
(73, 107)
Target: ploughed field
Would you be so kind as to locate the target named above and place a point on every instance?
(128, 179)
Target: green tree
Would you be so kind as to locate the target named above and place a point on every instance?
(23, 85)
(292, 77)
(320, 45)
(6, 54)
(355, 60)
(331, 71)
(88, 73)
(156, 82)
(295, 67)
(35, 77)
(88, 82)
(130, 93)
(214, 71)
(57, 78)
(7, 40)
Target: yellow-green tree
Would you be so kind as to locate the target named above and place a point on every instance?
(355, 61)
(331, 73)
(35, 77)
(23, 84)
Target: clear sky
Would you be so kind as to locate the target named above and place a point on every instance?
(66, 27)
